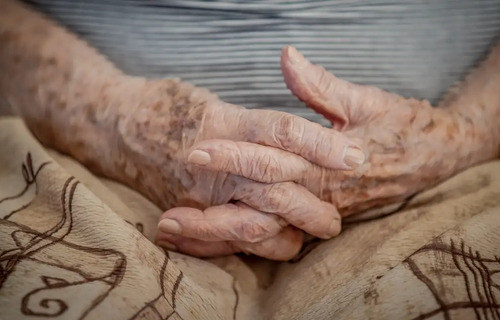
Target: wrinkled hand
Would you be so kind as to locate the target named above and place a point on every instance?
(409, 144)
(228, 171)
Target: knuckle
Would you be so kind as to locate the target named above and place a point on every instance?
(233, 160)
(212, 109)
(267, 168)
(324, 144)
(216, 111)
(279, 197)
(285, 131)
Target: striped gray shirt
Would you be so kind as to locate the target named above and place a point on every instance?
(414, 48)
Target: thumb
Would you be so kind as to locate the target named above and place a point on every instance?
(343, 103)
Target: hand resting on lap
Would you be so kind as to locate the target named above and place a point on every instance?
(409, 146)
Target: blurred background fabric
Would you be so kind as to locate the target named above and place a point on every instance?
(232, 47)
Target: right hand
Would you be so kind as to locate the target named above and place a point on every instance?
(183, 147)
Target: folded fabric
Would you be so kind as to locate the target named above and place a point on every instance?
(75, 246)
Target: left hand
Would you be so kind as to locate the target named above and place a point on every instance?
(410, 146)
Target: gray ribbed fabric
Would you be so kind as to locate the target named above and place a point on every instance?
(414, 48)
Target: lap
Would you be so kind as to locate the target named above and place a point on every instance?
(73, 245)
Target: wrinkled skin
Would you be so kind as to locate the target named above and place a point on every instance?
(410, 146)
(154, 143)
(237, 180)
(146, 132)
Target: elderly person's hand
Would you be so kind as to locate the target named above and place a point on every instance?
(177, 144)
(260, 177)
(409, 144)
(228, 171)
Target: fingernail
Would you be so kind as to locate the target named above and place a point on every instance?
(353, 157)
(199, 157)
(170, 226)
(334, 229)
(294, 56)
(167, 245)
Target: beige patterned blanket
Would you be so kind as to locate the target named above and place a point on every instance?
(74, 246)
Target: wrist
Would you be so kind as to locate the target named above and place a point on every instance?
(479, 136)
(155, 122)
(476, 101)
(459, 141)
(156, 117)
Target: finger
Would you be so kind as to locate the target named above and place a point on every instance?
(252, 161)
(225, 222)
(342, 102)
(295, 204)
(322, 146)
(283, 246)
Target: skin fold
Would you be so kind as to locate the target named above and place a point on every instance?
(238, 180)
